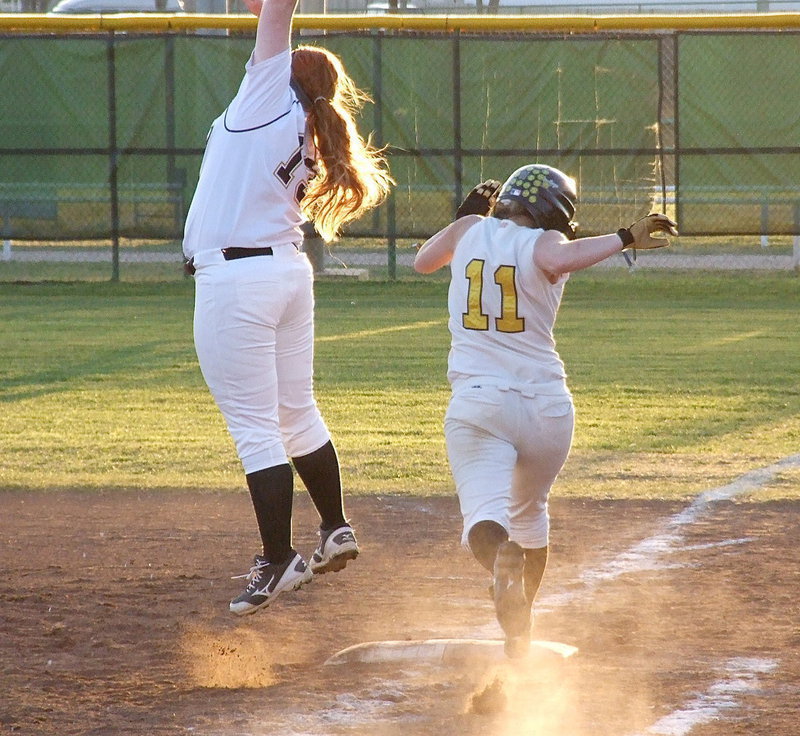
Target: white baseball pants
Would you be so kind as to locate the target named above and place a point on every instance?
(505, 448)
(254, 337)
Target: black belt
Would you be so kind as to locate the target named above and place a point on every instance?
(231, 254)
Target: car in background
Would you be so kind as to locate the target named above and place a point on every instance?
(637, 7)
(383, 8)
(104, 7)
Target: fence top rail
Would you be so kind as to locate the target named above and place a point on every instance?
(170, 22)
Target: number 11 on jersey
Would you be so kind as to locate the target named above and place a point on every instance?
(475, 318)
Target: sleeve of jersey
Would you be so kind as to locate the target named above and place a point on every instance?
(263, 95)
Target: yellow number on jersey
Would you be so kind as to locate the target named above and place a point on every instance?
(510, 321)
(474, 318)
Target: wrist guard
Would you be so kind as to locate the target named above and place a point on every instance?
(626, 236)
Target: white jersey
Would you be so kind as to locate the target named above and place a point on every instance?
(249, 191)
(502, 309)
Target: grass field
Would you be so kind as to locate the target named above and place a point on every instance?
(680, 382)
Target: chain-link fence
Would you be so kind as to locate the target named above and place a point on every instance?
(101, 138)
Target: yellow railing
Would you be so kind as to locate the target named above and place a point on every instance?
(440, 23)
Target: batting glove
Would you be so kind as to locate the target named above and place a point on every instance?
(639, 235)
(480, 200)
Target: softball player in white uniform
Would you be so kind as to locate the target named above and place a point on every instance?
(509, 424)
(263, 172)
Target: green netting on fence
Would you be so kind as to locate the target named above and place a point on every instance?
(101, 136)
(738, 133)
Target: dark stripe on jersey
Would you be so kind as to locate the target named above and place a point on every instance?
(257, 127)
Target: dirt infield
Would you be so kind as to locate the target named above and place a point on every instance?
(114, 620)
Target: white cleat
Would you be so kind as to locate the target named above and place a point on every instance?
(267, 580)
(336, 548)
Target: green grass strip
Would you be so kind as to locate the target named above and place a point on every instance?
(681, 382)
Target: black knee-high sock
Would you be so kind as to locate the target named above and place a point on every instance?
(271, 491)
(484, 538)
(319, 471)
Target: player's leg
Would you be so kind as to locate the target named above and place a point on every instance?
(535, 566)
(319, 471)
(511, 605)
(305, 434)
(484, 539)
(280, 567)
(481, 462)
(543, 449)
(272, 492)
(482, 459)
(235, 343)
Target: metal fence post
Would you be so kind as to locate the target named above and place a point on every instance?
(458, 161)
(377, 87)
(169, 108)
(392, 232)
(113, 156)
(676, 129)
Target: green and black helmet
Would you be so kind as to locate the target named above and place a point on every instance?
(549, 195)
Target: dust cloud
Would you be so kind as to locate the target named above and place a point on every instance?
(235, 658)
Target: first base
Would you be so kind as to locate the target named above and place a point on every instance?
(448, 651)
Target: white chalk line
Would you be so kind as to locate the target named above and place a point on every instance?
(739, 676)
(713, 545)
(647, 555)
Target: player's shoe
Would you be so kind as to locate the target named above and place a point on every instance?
(519, 646)
(511, 605)
(267, 580)
(336, 548)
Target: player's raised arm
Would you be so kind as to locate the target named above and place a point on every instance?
(274, 26)
(437, 251)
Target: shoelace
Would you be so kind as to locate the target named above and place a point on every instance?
(255, 571)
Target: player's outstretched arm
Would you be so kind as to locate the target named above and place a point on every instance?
(274, 26)
(556, 255)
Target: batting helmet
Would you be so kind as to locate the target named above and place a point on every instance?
(546, 193)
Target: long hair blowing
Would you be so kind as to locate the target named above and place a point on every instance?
(353, 176)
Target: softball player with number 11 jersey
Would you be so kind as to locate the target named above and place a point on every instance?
(509, 423)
